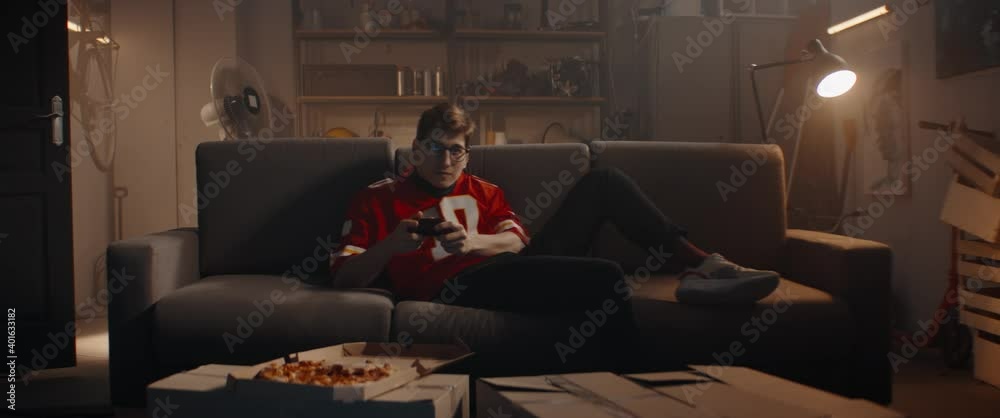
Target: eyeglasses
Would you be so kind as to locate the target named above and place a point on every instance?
(437, 149)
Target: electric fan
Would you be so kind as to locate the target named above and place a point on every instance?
(240, 105)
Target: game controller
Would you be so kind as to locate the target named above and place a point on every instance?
(426, 226)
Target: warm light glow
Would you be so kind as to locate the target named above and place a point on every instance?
(837, 83)
(73, 26)
(857, 20)
(104, 40)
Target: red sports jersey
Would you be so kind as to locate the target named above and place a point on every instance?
(375, 212)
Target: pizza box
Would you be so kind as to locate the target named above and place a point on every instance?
(971, 210)
(701, 392)
(196, 393)
(203, 393)
(408, 364)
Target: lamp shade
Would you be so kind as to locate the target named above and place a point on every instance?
(836, 77)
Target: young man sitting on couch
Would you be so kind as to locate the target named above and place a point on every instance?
(482, 243)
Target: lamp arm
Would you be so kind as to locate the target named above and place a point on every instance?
(753, 68)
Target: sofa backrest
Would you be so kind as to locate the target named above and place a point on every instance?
(529, 174)
(280, 200)
(739, 215)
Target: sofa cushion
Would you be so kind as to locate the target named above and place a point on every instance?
(794, 321)
(266, 210)
(740, 216)
(242, 319)
(534, 177)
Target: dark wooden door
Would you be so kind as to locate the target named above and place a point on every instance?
(36, 243)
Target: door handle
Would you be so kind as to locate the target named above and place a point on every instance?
(56, 117)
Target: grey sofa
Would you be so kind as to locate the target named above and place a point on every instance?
(250, 284)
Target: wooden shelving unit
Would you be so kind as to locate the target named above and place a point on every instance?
(456, 41)
(540, 100)
(528, 35)
(404, 100)
(396, 34)
(497, 100)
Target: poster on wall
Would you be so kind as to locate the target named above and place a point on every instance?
(878, 105)
(967, 35)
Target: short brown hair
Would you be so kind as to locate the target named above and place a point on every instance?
(445, 120)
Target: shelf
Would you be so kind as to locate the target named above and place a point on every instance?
(421, 100)
(527, 35)
(537, 100)
(465, 34)
(414, 34)
(360, 100)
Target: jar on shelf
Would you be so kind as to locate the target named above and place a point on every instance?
(418, 81)
(438, 81)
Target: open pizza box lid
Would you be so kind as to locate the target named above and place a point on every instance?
(408, 364)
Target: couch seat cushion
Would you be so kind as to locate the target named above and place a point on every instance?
(795, 322)
(244, 319)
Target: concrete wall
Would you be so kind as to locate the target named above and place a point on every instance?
(146, 163)
(93, 202)
(167, 52)
(201, 37)
(911, 225)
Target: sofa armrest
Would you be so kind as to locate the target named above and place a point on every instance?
(141, 271)
(837, 264)
(859, 272)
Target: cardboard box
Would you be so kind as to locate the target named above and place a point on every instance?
(986, 355)
(982, 321)
(986, 299)
(732, 392)
(971, 210)
(203, 393)
(983, 152)
(410, 363)
(984, 259)
(985, 180)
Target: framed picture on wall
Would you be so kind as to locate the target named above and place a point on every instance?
(967, 36)
(879, 105)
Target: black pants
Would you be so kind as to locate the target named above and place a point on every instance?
(552, 275)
